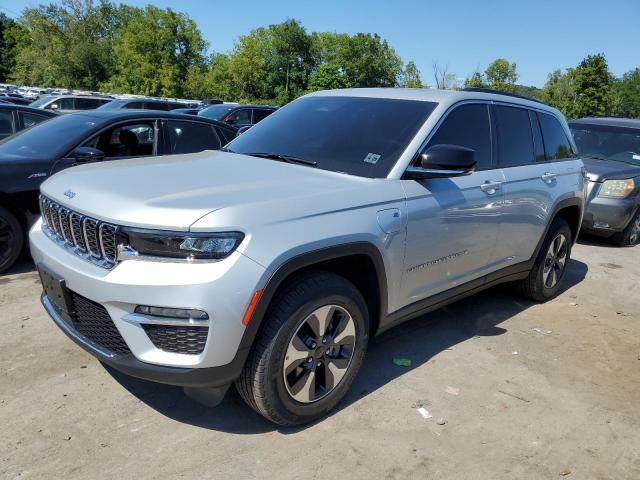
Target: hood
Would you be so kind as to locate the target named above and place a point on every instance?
(601, 170)
(173, 192)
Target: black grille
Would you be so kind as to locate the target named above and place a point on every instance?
(80, 233)
(92, 321)
(187, 340)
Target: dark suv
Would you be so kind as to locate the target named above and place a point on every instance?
(610, 148)
(142, 104)
(237, 115)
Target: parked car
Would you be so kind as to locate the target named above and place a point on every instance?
(14, 118)
(15, 98)
(187, 111)
(68, 103)
(611, 151)
(237, 115)
(142, 104)
(29, 157)
(269, 264)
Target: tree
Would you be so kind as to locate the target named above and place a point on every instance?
(411, 76)
(475, 81)
(154, 50)
(560, 92)
(593, 85)
(70, 44)
(443, 78)
(626, 95)
(13, 37)
(501, 75)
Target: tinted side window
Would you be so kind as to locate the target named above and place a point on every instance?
(259, 114)
(133, 105)
(515, 143)
(30, 119)
(467, 126)
(191, 137)
(156, 106)
(62, 104)
(240, 117)
(556, 143)
(130, 140)
(86, 103)
(6, 123)
(538, 144)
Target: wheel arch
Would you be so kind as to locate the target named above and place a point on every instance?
(359, 262)
(569, 209)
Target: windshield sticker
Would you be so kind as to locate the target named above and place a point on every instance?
(372, 158)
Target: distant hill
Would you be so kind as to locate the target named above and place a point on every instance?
(533, 92)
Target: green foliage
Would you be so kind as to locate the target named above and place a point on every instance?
(626, 95)
(69, 44)
(13, 37)
(411, 76)
(560, 92)
(499, 75)
(592, 82)
(155, 51)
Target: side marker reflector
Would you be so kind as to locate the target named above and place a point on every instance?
(252, 305)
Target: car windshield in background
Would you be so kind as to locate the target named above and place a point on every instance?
(41, 101)
(215, 112)
(113, 104)
(608, 142)
(44, 140)
(355, 135)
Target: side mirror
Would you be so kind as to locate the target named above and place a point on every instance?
(444, 161)
(87, 154)
(241, 130)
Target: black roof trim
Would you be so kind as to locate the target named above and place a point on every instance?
(500, 92)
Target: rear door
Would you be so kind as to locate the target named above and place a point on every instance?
(530, 183)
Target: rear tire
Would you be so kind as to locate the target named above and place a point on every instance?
(11, 239)
(630, 236)
(308, 351)
(545, 278)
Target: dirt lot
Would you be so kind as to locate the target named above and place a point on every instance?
(527, 391)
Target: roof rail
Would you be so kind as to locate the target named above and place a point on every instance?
(501, 92)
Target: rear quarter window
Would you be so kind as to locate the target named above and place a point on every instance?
(556, 143)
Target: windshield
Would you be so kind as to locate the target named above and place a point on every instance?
(607, 142)
(215, 112)
(113, 105)
(44, 140)
(355, 135)
(41, 101)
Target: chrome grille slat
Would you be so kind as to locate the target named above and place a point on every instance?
(87, 237)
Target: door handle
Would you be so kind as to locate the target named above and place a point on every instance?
(490, 188)
(548, 177)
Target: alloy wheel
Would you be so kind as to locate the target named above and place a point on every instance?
(319, 354)
(7, 240)
(635, 231)
(555, 261)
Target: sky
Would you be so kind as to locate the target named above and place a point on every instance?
(539, 36)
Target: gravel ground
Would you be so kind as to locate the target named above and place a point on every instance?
(522, 391)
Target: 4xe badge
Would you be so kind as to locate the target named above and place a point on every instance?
(69, 194)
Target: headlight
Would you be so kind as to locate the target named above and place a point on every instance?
(187, 245)
(617, 188)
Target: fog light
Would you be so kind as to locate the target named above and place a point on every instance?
(179, 313)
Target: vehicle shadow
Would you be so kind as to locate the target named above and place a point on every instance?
(418, 340)
(23, 265)
(595, 241)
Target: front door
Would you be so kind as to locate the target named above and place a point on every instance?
(453, 222)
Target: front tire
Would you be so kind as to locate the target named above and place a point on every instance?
(11, 239)
(630, 236)
(545, 278)
(308, 351)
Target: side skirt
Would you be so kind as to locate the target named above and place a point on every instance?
(508, 274)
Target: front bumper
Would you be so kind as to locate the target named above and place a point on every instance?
(606, 216)
(222, 289)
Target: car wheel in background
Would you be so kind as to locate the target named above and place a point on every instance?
(11, 239)
(630, 236)
(309, 350)
(545, 279)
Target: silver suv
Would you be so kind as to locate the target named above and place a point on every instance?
(270, 264)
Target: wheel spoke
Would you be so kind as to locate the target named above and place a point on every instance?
(345, 331)
(296, 354)
(334, 371)
(319, 320)
(304, 388)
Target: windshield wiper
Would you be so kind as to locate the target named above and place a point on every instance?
(283, 158)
